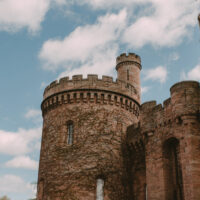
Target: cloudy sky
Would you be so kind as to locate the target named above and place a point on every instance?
(43, 40)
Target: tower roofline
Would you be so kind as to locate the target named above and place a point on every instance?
(91, 82)
(131, 58)
(184, 84)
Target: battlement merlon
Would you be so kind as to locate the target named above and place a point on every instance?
(184, 94)
(184, 103)
(131, 57)
(185, 97)
(91, 82)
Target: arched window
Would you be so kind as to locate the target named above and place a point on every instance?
(172, 170)
(99, 191)
(70, 130)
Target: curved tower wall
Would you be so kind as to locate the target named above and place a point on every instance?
(100, 111)
(128, 70)
(185, 98)
(163, 129)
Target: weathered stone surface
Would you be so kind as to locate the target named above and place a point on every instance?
(141, 152)
(101, 111)
(171, 138)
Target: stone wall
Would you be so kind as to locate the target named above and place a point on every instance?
(177, 124)
(139, 152)
(100, 110)
(92, 82)
(70, 172)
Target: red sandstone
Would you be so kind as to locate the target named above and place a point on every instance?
(141, 152)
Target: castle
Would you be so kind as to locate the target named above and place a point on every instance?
(100, 143)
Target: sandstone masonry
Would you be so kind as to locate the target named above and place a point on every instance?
(97, 131)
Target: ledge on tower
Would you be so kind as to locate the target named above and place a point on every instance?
(130, 57)
(184, 85)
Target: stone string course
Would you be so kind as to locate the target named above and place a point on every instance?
(91, 96)
(141, 151)
(91, 82)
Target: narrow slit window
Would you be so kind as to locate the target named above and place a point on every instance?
(115, 99)
(70, 133)
(121, 101)
(68, 98)
(100, 193)
(88, 96)
(95, 97)
(128, 74)
(81, 96)
(109, 98)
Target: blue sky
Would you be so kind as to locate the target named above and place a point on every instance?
(43, 40)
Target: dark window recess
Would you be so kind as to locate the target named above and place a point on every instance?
(70, 133)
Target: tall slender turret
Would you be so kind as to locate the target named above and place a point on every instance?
(128, 70)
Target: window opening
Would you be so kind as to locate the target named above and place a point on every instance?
(81, 96)
(95, 97)
(109, 98)
(68, 98)
(172, 169)
(70, 133)
(100, 185)
(127, 74)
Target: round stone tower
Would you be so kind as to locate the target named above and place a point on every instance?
(84, 126)
(128, 70)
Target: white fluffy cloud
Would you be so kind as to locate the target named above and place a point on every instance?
(60, 2)
(193, 74)
(93, 48)
(22, 162)
(15, 15)
(161, 23)
(21, 142)
(156, 74)
(101, 64)
(35, 115)
(86, 46)
(16, 185)
(32, 113)
(144, 89)
(166, 25)
(104, 4)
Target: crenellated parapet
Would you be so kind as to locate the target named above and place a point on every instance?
(92, 82)
(125, 59)
(185, 98)
(92, 96)
(183, 104)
